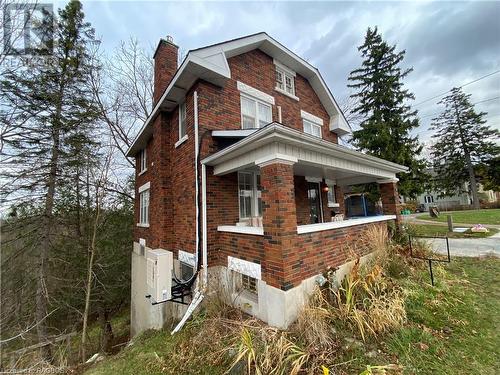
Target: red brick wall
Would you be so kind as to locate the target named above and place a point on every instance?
(390, 199)
(171, 170)
(165, 65)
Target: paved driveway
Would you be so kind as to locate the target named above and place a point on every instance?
(468, 247)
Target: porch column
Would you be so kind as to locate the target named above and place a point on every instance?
(390, 198)
(279, 219)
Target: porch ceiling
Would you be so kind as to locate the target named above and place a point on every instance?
(312, 157)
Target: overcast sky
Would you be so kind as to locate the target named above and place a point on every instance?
(447, 43)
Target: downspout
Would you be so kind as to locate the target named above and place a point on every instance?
(198, 296)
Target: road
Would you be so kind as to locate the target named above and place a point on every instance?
(468, 247)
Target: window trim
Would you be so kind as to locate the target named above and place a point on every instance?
(143, 162)
(182, 137)
(285, 72)
(142, 189)
(254, 204)
(313, 121)
(257, 101)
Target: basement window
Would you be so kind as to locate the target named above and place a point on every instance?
(187, 271)
(249, 284)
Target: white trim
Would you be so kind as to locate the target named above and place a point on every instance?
(388, 180)
(186, 257)
(244, 266)
(146, 186)
(233, 133)
(142, 172)
(276, 138)
(333, 205)
(314, 179)
(284, 67)
(143, 225)
(196, 185)
(276, 158)
(254, 93)
(284, 92)
(311, 228)
(310, 117)
(279, 114)
(256, 231)
(181, 141)
(201, 63)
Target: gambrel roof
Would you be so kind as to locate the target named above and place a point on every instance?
(210, 64)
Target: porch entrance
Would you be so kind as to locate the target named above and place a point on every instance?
(314, 196)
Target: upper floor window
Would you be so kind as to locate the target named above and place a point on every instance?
(312, 124)
(142, 161)
(312, 128)
(254, 113)
(285, 80)
(182, 121)
(249, 191)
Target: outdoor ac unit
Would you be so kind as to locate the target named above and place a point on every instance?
(159, 274)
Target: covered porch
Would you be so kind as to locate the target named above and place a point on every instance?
(310, 177)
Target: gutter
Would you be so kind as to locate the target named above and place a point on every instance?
(203, 281)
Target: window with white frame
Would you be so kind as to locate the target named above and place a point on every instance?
(331, 196)
(285, 80)
(144, 206)
(182, 120)
(312, 128)
(142, 161)
(249, 192)
(254, 113)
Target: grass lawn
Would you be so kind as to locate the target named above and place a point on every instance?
(452, 328)
(441, 231)
(490, 216)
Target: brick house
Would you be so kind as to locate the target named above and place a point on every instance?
(240, 176)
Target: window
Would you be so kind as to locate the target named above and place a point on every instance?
(249, 191)
(187, 271)
(429, 199)
(249, 283)
(331, 196)
(142, 161)
(312, 128)
(144, 207)
(254, 113)
(285, 80)
(182, 121)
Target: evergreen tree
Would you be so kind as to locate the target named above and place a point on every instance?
(388, 118)
(462, 143)
(53, 116)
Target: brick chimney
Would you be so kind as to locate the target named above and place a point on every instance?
(165, 58)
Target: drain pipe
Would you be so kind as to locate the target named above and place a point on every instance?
(202, 282)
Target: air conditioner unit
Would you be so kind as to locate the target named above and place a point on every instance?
(159, 274)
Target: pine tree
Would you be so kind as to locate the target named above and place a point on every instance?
(53, 116)
(388, 118)
(462, 143)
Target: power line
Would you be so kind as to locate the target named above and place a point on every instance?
(466, 84)
(479, 102)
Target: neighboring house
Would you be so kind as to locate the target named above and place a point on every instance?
(461, 199)
(238, 176)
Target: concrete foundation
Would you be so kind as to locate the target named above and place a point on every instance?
(274, 306)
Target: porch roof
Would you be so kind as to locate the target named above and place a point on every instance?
(312, 156)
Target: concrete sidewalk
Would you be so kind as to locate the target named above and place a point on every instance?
(468, 247)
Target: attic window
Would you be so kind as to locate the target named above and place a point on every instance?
(285, 80)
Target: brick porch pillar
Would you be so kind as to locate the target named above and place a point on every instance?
(280, 223)
(390, 198)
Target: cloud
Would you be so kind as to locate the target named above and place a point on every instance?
(447, 43)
